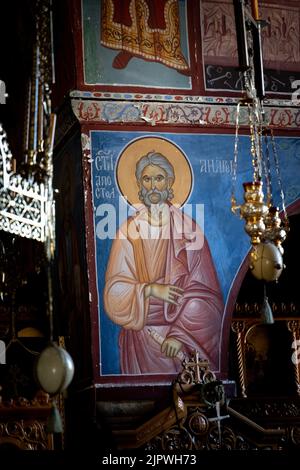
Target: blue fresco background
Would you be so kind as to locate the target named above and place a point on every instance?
(98, 59)
(224, 231)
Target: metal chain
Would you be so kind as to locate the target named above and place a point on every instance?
(235, 157)
(267, 170)
(254, 144)
(279, 179)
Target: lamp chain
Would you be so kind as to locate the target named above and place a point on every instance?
(267, 170)
(235, 158)
(279, 179)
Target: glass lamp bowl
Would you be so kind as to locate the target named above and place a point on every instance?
(54, 369)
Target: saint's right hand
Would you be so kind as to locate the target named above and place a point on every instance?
(166, 292)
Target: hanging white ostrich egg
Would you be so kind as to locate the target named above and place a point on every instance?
(54, 369)
(266, 262)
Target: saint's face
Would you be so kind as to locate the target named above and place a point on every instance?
(154, 178)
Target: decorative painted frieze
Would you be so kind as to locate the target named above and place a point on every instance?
(220, 114)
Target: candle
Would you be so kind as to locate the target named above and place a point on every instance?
(254, 7)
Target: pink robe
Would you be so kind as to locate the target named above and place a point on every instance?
(134, 263)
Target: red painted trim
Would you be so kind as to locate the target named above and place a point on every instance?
(182, 129)
(91, 261)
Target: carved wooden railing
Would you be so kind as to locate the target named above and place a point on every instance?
(23, 424)
(200, 418)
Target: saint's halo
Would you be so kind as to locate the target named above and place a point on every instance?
(128, 158)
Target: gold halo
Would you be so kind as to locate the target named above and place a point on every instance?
(125, 171)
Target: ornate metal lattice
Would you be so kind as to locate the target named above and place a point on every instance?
(23, 202)
(26, 199)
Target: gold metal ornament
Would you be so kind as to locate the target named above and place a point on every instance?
(274, 231)
(254, 211)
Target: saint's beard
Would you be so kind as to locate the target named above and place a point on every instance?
(153, 197)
